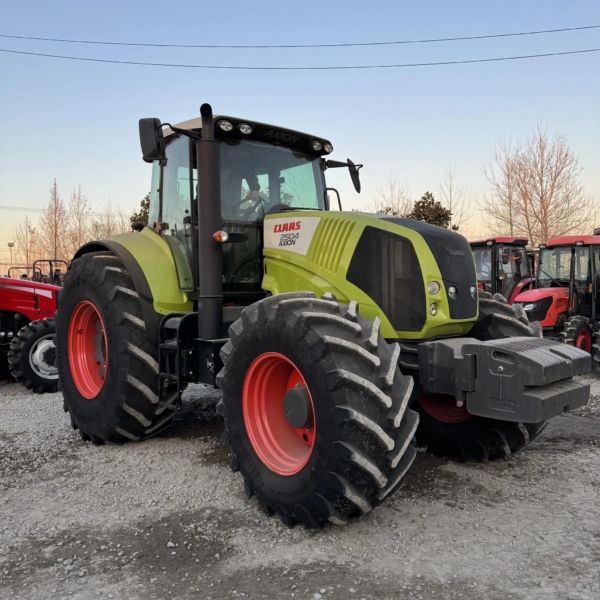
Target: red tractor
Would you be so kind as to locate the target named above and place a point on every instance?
(565, 300)
(503, 265)
(26, 332)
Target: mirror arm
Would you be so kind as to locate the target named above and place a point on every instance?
(191, 134)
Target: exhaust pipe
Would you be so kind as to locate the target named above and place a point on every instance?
(210, 252)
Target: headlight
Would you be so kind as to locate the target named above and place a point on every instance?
(433, 287)
(328, 148)
(225, 125)
(531, 306)
(317, 146)
(433, 309)
(473, 291)
(452, 292)
(245, 128)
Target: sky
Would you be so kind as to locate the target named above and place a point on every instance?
(78, 121)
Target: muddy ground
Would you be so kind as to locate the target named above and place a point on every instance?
(167, 519)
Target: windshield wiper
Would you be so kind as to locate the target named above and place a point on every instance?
(551, 278)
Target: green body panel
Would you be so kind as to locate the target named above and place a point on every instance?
(323, 269)
(154, 256)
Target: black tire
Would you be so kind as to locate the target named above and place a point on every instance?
(363, 430)
(479, 438)
(31, 357)
(573, 328)
(498, 319)
(126, 408)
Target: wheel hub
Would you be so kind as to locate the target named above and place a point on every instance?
(297, 407)
(41, 358)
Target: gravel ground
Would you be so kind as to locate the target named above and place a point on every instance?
(167, 519)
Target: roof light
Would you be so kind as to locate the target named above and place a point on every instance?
(317, 146)
(489, 242)
(579, 243)
(225, 125)
(245, 128)
(328, 148)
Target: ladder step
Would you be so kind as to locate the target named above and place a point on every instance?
(169, 346)
(168, 376)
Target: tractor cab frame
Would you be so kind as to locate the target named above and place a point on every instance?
(504, 266)
(565, 300)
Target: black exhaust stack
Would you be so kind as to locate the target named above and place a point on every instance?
(210, 265)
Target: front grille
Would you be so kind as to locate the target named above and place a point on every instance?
(385, 266)
(538, 310)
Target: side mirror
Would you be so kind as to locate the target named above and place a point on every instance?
(505, 259)
(336, 164)
(137, 226)
(354, 175)
(151, 140)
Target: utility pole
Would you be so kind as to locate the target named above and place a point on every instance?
(11, 245)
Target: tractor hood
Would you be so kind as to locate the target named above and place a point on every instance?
(398, 269)
(538, 294)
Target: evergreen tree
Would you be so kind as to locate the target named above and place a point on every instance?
(428, 209)
(142, 216)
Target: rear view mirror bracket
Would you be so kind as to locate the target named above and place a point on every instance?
(336, 164)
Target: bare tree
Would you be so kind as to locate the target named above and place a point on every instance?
(79, 222)
(536, 190)
(392, 198)
(25, 243)
(109, 223)
(52, 226)
(452, 197)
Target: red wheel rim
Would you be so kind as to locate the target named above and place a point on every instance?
(584, 340)
(88, 350)
(279, 446)
(442, 407)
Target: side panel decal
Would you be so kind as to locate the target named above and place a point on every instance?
(293, 234)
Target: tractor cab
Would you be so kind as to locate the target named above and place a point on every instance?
(503, 266)
(565, 300)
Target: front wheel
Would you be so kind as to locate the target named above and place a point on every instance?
(31, 357)
(449, 430)
(315, 409)
(578, 332)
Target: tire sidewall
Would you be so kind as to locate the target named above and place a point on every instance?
(42, 330)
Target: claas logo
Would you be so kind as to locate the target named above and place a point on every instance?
(281, 227)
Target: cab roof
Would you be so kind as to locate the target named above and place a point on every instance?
(570, 240)
(515, 241)
(262, 132)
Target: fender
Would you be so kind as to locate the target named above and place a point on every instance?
(140, 283)
(523, 285)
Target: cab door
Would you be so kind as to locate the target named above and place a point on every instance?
(177, 218)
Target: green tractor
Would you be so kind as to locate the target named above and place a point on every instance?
(338, 339)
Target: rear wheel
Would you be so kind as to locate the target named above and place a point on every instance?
(315, 409)
(107, 365)
(32, 355)
(447, 429)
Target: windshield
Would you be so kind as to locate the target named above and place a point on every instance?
(256, 177)
(554, 268)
